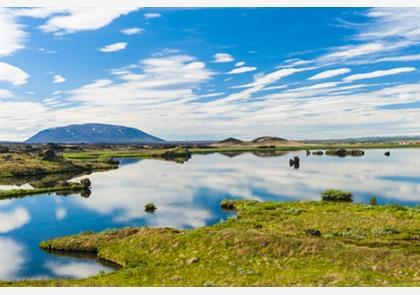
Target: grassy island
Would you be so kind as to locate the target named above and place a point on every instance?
(61, 187)
(265, 244)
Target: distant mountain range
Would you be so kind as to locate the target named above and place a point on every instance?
(93, 133)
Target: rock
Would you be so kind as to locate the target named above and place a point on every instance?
(227, 205)
(343, 152)
(313, 232)
(295, 162)
(48, 155)
(193, 260)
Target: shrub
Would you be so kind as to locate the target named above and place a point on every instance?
(150, 208)
(85, 182)
(373, 201)
(333, 195)
(227, 205)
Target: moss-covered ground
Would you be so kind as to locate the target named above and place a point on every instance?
(264, 244)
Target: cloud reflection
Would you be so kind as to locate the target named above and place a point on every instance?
(175, 188)
(76, 270)
(14, 219)
(11, 258)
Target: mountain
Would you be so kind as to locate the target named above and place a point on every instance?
(230, 140)
(93, 133)
(269, 139)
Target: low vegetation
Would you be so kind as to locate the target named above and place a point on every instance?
(265, 244)
(333, 195)
(150, 208)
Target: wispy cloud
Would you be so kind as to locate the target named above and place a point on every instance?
(152, 15)
(58, 79)
(59, 21)
(114, 47)
(223, 57)
(12, 74)
(329, 74)
(67, 21)
(241, 70)
(381, 73)
(412, 57)
(132, 31)
(13, 36)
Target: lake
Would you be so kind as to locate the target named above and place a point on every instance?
(187, 195)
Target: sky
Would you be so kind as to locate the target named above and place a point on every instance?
(197, 74)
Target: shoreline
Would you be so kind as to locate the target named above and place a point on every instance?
(297, 243)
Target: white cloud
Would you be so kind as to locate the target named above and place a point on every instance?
(14, 219)
(132, 31)
(12, 74)
(152, 15)
(352, 51)
(329, 74)
(377, 74)
(239, 64)
(223, 57)
(58, 79)
(242, 70)
(12, 36)
(397, 23)
(413, 57)
(4, 93)
(114, 47)
(67, 21)
(389, 30)
(59, 21)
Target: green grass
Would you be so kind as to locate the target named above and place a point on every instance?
(21, 165)
(265, 244)
(14, 193)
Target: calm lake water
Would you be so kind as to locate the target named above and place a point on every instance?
(187, 196)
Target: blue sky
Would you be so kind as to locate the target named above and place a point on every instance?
(212, 73)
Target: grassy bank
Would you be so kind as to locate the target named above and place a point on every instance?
(266, 244)
(21, 165)
(158, 153)
(15, 193)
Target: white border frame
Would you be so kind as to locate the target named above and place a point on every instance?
(209, 3)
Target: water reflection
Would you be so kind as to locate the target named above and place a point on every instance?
(75, 270)
(12, 258)
(177, 189)
(13, 219)
(188, 195)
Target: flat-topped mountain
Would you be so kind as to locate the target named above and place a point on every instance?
(93, 133)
